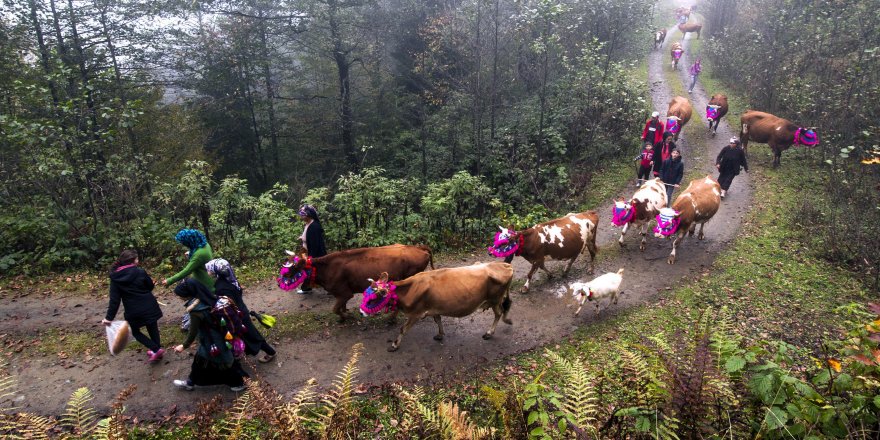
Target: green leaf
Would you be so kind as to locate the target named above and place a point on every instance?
(843, 382)
(734, 364)
(537, 432)
(643, 424)
(877, 401)
(776, 418)
(532, 417)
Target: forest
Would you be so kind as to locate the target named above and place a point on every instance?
(434, 122)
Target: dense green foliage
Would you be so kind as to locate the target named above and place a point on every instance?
(402, 120)
(816, 64)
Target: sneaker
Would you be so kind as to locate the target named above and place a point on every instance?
(157, 356)
(184, 384)
(266, 358)
(238, 389)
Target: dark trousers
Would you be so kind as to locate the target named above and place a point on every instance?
(669, 190)
(152, 342)
(644, 173)
(205, 373)
(725, 179)
(267, 348)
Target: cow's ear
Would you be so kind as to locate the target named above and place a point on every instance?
(384, 277)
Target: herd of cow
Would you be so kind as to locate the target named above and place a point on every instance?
(402, 285)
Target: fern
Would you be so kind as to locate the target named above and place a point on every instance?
(233, 424)
(338, 406)
(80, 417)
(113, 427)
(580, 402)
(459, 426)
(28, 426)
(643, 372)
(292, 415)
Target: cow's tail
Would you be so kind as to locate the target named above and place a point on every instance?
(427, 249)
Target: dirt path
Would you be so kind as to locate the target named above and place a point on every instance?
(540, 317)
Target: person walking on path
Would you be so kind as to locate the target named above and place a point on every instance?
(729, 161)
(200, 253)
(671, 174)
(213, 363)
(653, 131)
(694, 71)
(646, 164)
(132, 286)
(663, 151)
(226, 284)
(312, 238)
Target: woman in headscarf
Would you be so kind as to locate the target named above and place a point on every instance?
(226, 284)
(729, 162)
(312, 238)
(200, 253)
(213, 363)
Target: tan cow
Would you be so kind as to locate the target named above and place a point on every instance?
(682, 11)
(690, 27)
(677, 115)
(777, 132)
(647, 202)
(562, 239)
(675, 51)
(696, 205)
(455, 292)
(715, 110)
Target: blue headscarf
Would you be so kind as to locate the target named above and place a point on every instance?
(191, 238)
(309, 211)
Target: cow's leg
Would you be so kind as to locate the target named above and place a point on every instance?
(570, 263)
(700, 235)
(591, 246)
(622, 234)
(498, 313)
(339, 307)
(440, 334)
(393, 318)
(410, 321)
(777, 155)
(643, 231)
(678, 237)
(692, 229)
(529, 276)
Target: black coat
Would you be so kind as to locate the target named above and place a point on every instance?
(134, 288)
(672, 171)
(315, 240)
(253, 340)
(730, 160)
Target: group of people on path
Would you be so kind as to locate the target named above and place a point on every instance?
(204, 281)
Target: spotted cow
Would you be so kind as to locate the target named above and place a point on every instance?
(696, 205)
(561, 239)
(645, 204)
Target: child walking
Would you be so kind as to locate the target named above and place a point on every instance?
(132, 286)
(646, 164)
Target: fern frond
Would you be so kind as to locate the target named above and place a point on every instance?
(338, 402)
(113, 427)
(459, 425)
(495, 397)
(30, 426)
(80, 417)
(293, 414)
(232, 425)
(644, 375)
(580, 402)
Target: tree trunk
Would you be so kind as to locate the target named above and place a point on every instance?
(343, 66)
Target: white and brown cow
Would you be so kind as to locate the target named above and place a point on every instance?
(455, 292)
(645, 204)
(561, 239)
(659, 38)
(696, 205)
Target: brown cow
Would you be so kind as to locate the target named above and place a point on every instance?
(682, 11)
(659, 37)
(343, 273)
(715, 110)
(561, 239)
(647, 202)
(690, 27)
(696, 205)
(455, 292)
(768, 129)
(675, 51)
(677, 115)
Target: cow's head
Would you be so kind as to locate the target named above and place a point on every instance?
(379, 296)
(667, 223)
(672, 124)
(506, 242)
(712, 112)
(622, 212)
(294, 272)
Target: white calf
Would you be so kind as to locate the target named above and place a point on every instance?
(600, 287)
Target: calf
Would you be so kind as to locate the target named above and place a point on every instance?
(455, 292)
(600, 287)
(678, 114)
(343, 273)
(644, 205)
(777, 132)
(696, 205)
(715, 110)
(659, 37)
(561, 239)
(675, 51)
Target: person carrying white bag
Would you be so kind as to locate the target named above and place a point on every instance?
(132, 286)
